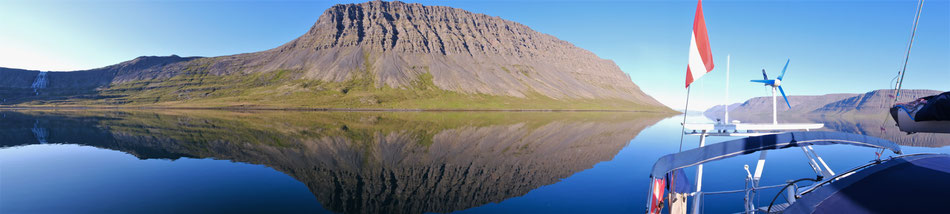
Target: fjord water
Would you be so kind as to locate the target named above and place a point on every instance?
(176, 161)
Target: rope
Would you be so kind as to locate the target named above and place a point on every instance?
(769, 210)
(741, 190)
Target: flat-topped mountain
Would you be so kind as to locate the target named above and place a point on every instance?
(873, 102)
(877, 102)
(369, 55)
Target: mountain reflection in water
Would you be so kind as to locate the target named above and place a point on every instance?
(865, 124)
(359, 162)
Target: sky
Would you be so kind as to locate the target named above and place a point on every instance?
(834, 46)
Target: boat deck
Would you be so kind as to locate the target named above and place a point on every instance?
(747, 129)
(777, 208)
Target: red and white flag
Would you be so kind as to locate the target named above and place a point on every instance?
(700, 55)
(658, 185)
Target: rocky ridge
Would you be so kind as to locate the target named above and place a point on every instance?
(391, 44)
(870, 103)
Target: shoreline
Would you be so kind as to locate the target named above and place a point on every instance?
(317, 109)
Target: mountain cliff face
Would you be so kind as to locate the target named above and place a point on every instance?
(99, 77)
(368, 48)
(759, 109)
(762, 106)
(872, 102)
(865, 114)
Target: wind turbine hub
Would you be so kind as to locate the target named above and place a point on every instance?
(778, 82)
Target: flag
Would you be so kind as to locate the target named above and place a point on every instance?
(700, 55)
(657, 187)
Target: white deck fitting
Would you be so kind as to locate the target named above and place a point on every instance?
(713, 127)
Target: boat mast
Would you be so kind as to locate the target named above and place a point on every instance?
(913, 33)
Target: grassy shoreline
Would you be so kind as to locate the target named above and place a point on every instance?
(260, 108)
(285, 90)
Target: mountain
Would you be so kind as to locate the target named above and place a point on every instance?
(718, 111)
(762, 106)
(872, 102)
(370, 55)
(759, 109)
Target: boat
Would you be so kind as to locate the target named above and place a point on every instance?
(914, 183)
(928, 114)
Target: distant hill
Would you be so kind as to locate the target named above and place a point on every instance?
(718, 111)
(871, 102)
(759, 109)
(369, 55)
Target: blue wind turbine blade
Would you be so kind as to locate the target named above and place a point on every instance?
(783, 69)
(767, 82)
(786, 98)
(764, 77)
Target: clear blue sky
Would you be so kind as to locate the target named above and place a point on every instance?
(834, 47)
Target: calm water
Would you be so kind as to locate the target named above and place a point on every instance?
(369, 162)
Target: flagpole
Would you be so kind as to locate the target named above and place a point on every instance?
(685, 111)
(682, 133)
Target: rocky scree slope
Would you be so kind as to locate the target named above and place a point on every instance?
(368, 46)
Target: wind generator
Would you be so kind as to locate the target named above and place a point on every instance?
(776, 84)
(700, 63)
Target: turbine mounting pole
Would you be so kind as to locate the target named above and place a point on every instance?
(774, 107)
(726, 104)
